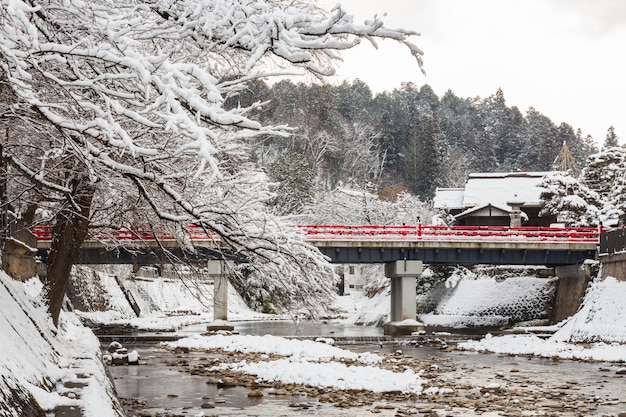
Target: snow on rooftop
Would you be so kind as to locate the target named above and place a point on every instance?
(495, 188)
(531, 174)
(448, 198)
(486, 210)
(500, 188)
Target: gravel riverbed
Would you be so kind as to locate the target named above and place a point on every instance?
(179, 382)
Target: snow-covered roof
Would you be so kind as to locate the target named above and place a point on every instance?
(448, 198)
(500, 188)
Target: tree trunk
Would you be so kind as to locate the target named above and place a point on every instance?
(68, 234)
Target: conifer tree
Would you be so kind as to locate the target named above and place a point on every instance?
(294, 183)
(611, 139)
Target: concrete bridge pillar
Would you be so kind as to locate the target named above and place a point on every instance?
(403, 316)
(219, 271)
(570, 290)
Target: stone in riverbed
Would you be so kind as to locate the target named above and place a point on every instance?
(213, 381)
(119, 359)
(226, 383)
(114, 346)
(255, 393)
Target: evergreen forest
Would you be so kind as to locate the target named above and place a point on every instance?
(408, 139)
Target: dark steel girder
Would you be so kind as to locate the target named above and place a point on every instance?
(102, 256)
(353, 254)
(458, 256)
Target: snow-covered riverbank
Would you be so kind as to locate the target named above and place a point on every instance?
(62, 367)
(42, 368)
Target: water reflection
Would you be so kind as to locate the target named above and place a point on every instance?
(160, 382)
(306, 328)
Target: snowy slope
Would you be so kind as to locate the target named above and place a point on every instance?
(466, 299)
(596, 332)
(38, 360)
(602, 316)
(165, 303)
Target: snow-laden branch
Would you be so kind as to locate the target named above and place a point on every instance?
(300, 35)
(133, 94)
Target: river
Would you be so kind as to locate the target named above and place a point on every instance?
(162, 386)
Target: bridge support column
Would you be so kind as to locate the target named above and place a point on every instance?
(219, 271)
(403, 316)
(570, 290)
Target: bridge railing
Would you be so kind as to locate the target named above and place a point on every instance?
(44, 234)
(448, 233)
(371, 233)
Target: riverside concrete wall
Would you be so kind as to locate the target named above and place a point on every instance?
(614, 265)
(570, 290)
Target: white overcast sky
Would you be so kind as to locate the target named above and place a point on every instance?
(565, 58)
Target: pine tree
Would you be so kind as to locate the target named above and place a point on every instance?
(294, 180)
(505, 128)
(604, 174)
(611, 139)
(424, 160)
(570, 201)
(542, 139)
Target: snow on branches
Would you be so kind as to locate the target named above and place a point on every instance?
(596, 198)
(570, 201)
(129, 97)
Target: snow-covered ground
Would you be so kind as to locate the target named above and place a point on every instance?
(57, 367)
(312, 363)
(596, 332)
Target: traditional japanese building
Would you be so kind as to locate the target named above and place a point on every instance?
(490, 199)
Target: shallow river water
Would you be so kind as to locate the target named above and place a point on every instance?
(161, 386)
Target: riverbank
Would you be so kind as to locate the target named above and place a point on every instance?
(46, 370)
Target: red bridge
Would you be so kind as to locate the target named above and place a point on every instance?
(376, 244)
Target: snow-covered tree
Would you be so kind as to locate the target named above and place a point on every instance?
(570, 201)
(359, 158)
(115, 115)
(294, 183)
(603, 168)
(597, 197)
(356, 206)
(503, 127)
(605, 174)
(611, 139)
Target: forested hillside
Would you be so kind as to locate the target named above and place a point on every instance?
(405, 139)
